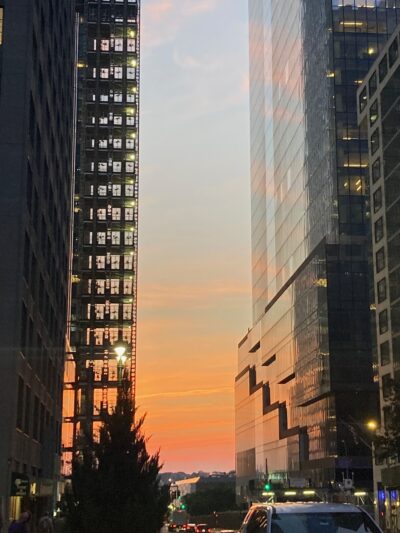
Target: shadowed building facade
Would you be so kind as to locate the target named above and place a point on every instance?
(305, 383)
(36, 146)
(379, 113)
(105, 219)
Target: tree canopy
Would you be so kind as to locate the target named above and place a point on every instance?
(115, 482)
(387, 442)
(206, 500)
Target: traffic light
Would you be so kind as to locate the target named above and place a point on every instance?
(267, 486)
(183, 506)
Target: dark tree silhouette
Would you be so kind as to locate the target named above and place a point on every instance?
(115, 482)
(387, 442)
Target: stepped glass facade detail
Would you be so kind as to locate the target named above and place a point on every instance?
(106, 215)
(305, 383)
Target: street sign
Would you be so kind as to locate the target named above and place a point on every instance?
(19, 484)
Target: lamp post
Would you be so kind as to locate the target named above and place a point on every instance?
(121, 357)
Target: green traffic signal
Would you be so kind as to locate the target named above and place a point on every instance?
(267, 486)
(183, 506)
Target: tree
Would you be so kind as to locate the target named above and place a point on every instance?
(206, 500)
(115, 482)
(387, 444)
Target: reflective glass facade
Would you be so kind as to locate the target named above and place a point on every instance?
(106, 212)
(305, 380)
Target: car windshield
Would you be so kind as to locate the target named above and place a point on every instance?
(322, 523)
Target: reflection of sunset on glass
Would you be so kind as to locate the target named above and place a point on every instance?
(194, 276)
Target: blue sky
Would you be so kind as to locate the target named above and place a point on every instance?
(194, 228)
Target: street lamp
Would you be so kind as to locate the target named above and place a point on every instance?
(120, 350)
(372, 425)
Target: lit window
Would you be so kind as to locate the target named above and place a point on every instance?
(104, 45)
(115, 262)
(127, 311)
(102, 166)
(1, 24)
(101, 214)
(118, 120)
(130, 144)
(119, 45)
(100, 286)
(128, 262)
(116, 213)
(104, 73)
(103, 143)
(131, 45)
(116, 237)
(129, 213)
(118, 73)
(99, 336)
(128, 190)
(117, 143)
(117, 166)
(117, 97)
(127, 286)
(131, 73)
(128, 238)
(101, 237)
(129, 166)
(102, 190)
(114, 286)
(100, 262)
(99, 311)
(114, 311)
(116, 190)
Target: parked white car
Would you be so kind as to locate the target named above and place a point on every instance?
(308, 518)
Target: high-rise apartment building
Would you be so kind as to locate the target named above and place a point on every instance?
(106, 209)
(36, 138)
(379, 114)
(305, 384)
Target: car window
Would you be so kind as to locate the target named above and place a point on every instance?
(258, 522)
(323, 523)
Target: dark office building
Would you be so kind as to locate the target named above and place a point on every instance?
(379, 116)
(105, 222)
(36, 125)
(305, 385)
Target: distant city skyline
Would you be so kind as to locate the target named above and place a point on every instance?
(194, 276)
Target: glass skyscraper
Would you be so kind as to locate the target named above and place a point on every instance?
(106, 211)
(305, 383)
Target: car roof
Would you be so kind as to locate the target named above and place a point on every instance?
(309, 507)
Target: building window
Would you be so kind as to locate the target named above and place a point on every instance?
(385, 353)
(1, 24)
(379, 229)
(376, 170)
(386, 386)
(383, 322)
(27, 418)
(115, 286)
(377, 199)
(373, 113)
(20, 404)
(129, 213)
(383, 68)
(115, 262)
(393, 52)
(375, 141)
(372, 84)
(381, 290)
(363, 99)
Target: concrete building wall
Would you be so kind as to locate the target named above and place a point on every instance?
(36, 73)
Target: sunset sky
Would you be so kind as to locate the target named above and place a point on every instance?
(194, 244)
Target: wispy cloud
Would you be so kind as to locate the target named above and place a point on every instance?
(163, 19)
(185, 393)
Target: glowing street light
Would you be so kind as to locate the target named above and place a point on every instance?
(121, 357)
(372, 425)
